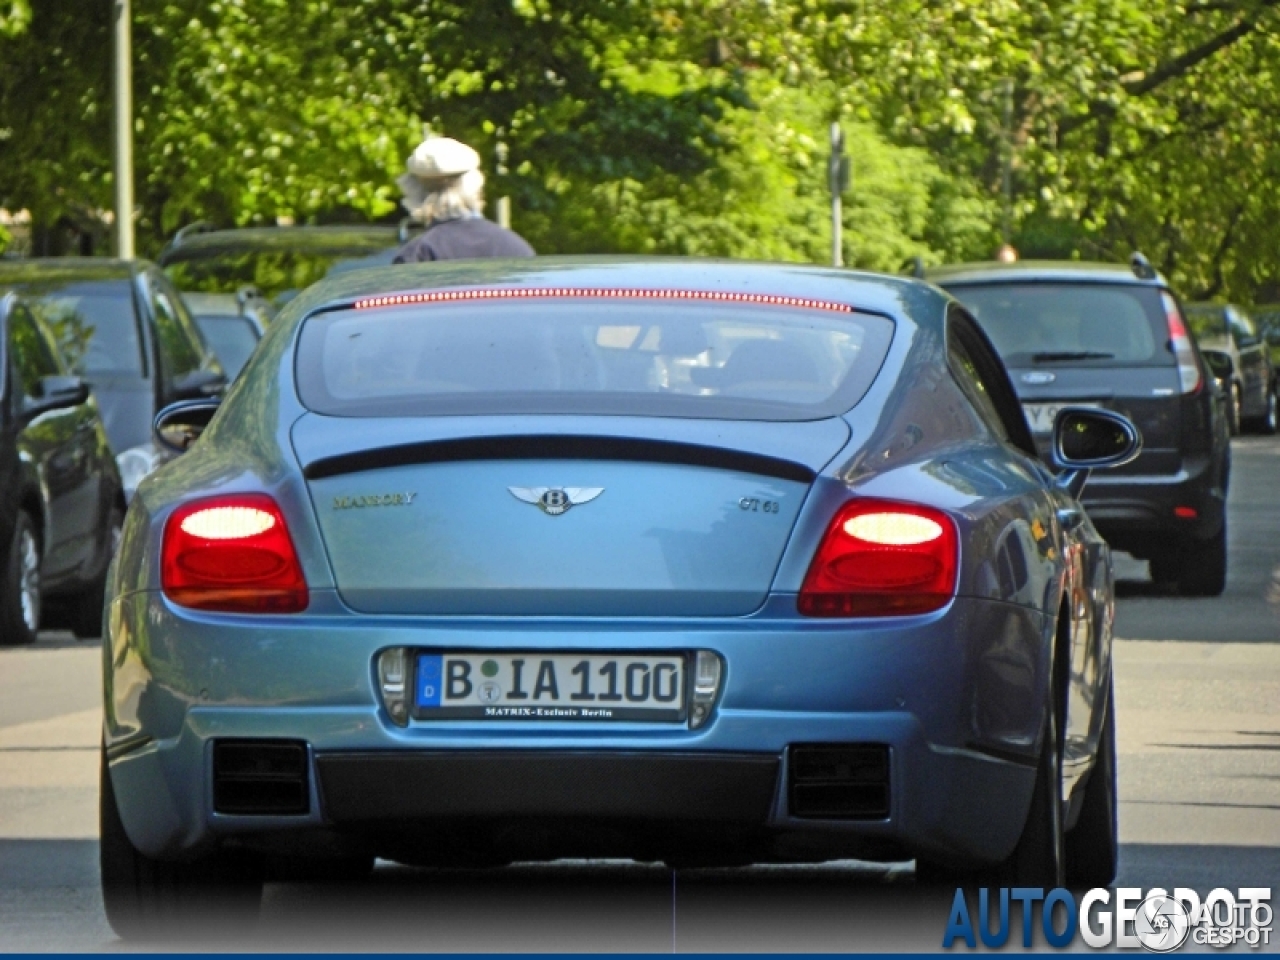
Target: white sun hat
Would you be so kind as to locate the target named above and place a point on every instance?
(441, 157)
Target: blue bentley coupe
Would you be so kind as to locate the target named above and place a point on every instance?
(698, 562)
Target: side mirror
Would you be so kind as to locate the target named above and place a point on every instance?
(1219, 363)
(57, 393)
(1085, 438)
(198, 384)
(180, 424)
(70, 390)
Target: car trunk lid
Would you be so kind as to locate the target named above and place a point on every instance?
(558, 516)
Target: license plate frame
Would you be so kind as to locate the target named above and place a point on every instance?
(494, 689)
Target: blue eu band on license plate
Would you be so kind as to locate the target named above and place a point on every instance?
(430, 669)
(539, 686)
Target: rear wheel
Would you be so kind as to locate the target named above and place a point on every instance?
(20, 594)
(1204, 566)
(1269, 422)
(214, 896)
(1039, 858)
(1195, 568)
(1093, 844)
(1166, 567)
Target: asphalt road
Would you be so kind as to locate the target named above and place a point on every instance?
(1198, 694)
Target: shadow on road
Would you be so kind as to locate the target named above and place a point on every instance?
(599, 906)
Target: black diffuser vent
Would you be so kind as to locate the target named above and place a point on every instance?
(840, 781)
(260, 778)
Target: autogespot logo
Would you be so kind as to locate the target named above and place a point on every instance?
(1130, 918)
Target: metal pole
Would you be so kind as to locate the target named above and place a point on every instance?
(503, 205)
(1006, 174)
(123, 50)
(834, 176)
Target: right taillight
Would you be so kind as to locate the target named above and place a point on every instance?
(882, 558)
(1180, 342)
(233, 554)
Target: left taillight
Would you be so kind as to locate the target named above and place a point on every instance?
(234, 554)
(882, 558)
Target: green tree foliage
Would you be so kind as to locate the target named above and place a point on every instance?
(686, 126)
(620, 136)
(55, 110)
(1131, 124)
(14, 17)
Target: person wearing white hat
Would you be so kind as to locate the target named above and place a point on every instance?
(444, 188)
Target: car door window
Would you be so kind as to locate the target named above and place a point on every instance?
(33, 356)
(180, 353)
(982, 377)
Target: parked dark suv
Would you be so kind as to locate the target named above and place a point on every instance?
(1116, 337)
(123, 327)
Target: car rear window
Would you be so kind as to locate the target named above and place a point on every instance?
(95, 326)
(1075, 324)
(582, 355)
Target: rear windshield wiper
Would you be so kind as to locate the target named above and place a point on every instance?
(1055, 356)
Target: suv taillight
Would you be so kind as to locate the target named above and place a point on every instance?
(234, 554)
(881, 558)
(1180, 342)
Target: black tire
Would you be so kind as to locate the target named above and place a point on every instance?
(1093, 844)
(20, 597)
(1269, 422)
(1039, 858)
(84, 609)
(145, 899)
(1203, 566)
(1166, 566)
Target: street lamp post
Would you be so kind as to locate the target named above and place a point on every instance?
(838, 183)
(1006, 160)
(123, 90)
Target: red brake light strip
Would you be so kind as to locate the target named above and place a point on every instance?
(618, 293)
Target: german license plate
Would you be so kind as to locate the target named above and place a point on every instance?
(558, 687)
(1040, 416)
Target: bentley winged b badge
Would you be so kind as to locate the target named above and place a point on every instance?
(554, 501)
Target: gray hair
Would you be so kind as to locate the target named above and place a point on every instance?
(448, 198)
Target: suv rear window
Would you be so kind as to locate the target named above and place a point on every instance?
(1076, 324)
(590, 356)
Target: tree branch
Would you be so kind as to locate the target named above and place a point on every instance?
(1224, 245)
(1169, 70)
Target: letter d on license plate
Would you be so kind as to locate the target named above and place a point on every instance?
(550, 687)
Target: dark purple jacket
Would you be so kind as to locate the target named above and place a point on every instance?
(464, 239)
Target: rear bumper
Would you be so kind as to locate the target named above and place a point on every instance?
(424, 807)
(1137, 513)
(955, 700)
